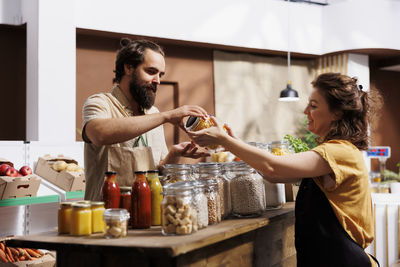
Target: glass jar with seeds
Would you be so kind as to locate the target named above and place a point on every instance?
(212, 170)
(213, 201)
(247, 192)
(200, 203)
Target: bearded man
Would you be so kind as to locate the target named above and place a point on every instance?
(125, 119)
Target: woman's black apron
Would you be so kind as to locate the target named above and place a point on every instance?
(319, 238)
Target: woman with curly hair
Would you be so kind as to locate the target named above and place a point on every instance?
(334, 214)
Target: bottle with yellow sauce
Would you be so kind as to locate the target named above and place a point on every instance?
(98, 225)
(156, 196)
(81, 219)
(64, 217)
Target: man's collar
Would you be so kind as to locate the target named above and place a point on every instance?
(119, 95)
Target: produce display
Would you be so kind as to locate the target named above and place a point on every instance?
(10, 254)
(8, 170)
(61, 165)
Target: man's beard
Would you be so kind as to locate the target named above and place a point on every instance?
(144, 94)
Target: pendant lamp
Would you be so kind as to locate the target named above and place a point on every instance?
(288, 94)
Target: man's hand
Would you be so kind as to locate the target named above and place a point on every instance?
(175, 116)
(189, 150)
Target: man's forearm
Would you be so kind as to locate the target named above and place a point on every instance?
(118, 130)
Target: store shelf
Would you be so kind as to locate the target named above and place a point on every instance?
(29, 200)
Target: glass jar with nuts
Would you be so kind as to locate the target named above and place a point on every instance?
(178, 214)
(116, 221)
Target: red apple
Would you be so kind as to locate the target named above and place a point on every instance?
(19, 175)
(25, 170)
(3, 169)
(11, 172)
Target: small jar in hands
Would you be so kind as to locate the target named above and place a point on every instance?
(116, 221)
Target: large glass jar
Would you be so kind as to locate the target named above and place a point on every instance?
(116, 221)
(141, 202)
(64, 217)
(213, 201)
(247, 192)
(81, 219)
(211, 170)
(275, 192)
(156, 196)
(179, 215)
(97, 216)
(110, 192)
(177, 173)
(200, 203)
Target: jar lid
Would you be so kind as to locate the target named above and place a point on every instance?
(81, 205)
(110, 173)
(177, 166)
(140, 172)
(125, 189)
(97, 203)
(116, 214)
(278, 143)
(211, 182)
(66, 204)
(152, 171)
(191, 121)
(83, 201)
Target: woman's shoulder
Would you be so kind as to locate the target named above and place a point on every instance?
(341, 148)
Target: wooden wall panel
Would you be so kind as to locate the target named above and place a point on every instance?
(388, 131)
(189, 68)
(13, 82)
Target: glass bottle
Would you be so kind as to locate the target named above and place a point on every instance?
(156, 196)
(247, 192)
(275, 192)
(81, 219)
(126, 198)
(213, 201)
(110, 192)
(141, 202)
(97, 216)
(64, 217)
(116, 221)
(178, 214)
(212, 170)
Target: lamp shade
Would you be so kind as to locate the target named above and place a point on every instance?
(289, 94)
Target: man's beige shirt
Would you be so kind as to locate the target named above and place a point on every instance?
(101, 106)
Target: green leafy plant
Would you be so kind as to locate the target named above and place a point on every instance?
(308, 137)
(297, 144)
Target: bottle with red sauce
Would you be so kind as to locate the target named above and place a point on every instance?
(110, 191)
(126, 199)
(141, 202)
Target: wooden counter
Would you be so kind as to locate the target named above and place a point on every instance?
(264, 241)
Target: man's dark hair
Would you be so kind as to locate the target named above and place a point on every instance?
(132, 53)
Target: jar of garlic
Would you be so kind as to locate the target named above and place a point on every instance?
(116, 221)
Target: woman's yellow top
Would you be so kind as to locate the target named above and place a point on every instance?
(350, 197)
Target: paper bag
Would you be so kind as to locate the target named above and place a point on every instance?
(125, 161)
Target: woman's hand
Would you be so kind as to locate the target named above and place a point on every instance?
(210, 136)
(189, 150)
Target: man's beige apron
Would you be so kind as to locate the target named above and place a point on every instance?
(126, 160)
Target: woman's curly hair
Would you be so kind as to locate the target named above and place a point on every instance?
(355, 107)
(132, 53)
